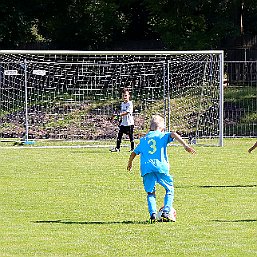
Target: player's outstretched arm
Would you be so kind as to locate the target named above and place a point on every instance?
(190, 149)
(252, 148)
(182, 142)
(130, 161)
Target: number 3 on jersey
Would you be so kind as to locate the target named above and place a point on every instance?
(152, 144)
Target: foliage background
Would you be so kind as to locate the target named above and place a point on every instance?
(112, 24)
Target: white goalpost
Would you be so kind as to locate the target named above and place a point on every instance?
(71, 95)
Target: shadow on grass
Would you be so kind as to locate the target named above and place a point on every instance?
(92, 222)
(227, 186)
(247, 220)
(218, 186)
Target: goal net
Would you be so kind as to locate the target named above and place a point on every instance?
(71, 95)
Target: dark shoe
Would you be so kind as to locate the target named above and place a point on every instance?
(114, 150)
(169, 217)
(131, 150)
(153, 218)
(165, 217)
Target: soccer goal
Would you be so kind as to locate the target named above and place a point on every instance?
(71, 95)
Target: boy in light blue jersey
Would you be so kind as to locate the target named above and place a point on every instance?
(154, 166)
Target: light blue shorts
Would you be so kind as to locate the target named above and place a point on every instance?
(150, 180)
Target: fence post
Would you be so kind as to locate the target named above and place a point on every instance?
(26, 102)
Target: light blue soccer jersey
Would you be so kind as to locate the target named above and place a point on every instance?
(153, 152)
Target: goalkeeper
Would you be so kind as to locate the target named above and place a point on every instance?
(154, 166)
(127, 121)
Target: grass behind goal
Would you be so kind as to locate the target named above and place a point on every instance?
(83, 202)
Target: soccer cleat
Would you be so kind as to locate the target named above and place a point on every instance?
(153, 218)
(114, 150)
(165, 217)
(168, 217)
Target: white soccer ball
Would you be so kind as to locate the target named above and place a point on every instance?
(172, 214)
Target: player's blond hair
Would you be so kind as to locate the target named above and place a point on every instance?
(157, 122)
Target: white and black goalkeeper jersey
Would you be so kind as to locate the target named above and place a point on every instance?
(127, 120)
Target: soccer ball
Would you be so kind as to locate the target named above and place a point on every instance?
(172, 214)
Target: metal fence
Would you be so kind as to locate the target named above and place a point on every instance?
(240, 99)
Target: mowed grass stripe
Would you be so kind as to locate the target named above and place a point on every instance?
(83, 202)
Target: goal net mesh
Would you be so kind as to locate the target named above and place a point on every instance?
(71, 96)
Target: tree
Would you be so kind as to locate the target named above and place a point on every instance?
(195, 24)
(79, 24)
(98, 24)
(249, 17)
(16, 23)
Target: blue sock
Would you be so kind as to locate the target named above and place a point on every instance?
(168, 200)
(151, 201)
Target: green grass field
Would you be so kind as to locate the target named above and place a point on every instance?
(83, 202)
